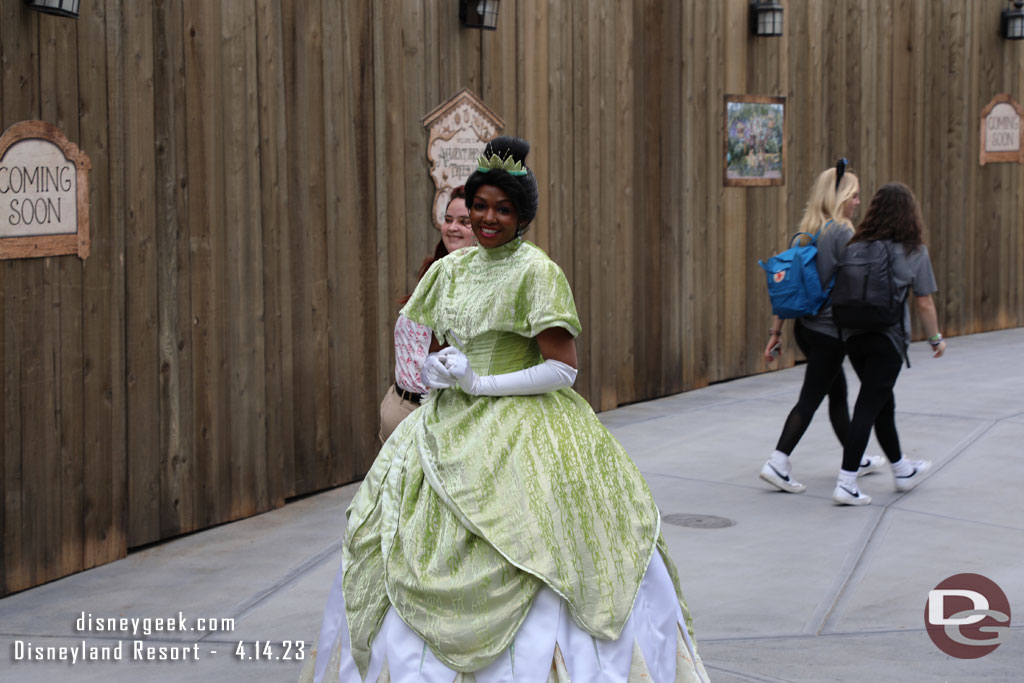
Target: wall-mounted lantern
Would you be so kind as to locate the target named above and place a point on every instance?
(63, 8)
(1011, 23)
(766, 18)
(479, 13)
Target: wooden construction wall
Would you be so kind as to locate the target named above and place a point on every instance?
(260, 202)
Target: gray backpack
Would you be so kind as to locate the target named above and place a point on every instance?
(865, 296)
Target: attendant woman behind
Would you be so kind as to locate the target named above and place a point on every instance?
(834, 199)
(877, 356)
(502, 530)
(412, 340)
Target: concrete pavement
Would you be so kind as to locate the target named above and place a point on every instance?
(782, 587)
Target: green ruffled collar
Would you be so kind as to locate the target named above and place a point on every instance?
(504, 251)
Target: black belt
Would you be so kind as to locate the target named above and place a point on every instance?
(408, 395)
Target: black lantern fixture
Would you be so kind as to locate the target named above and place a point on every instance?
(1011, 23)
(479, 13)
(766, 18)
(62, 8)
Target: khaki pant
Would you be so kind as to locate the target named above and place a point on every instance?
(393, 409)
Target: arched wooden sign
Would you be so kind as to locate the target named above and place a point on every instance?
(44, 193)
(1000, 131)
(458, 130)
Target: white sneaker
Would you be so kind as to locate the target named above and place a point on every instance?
(845, 496)
(911, 480)
(781, 481)
(871, 463)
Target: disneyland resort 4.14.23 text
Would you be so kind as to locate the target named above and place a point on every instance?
(130, 641)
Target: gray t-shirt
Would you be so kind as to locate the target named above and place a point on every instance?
(910, 270)
(832, 242)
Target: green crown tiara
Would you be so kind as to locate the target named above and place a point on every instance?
(509, 165)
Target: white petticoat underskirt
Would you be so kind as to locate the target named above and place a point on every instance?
(654, 645)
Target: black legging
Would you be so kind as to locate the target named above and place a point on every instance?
(824, 375)
(878, 364)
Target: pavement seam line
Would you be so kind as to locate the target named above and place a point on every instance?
(615, 424)
(849, 570)
(823, 613)
(746, 675)
(290, 577)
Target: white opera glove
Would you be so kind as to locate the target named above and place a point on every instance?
(539, 379)
(435, 373)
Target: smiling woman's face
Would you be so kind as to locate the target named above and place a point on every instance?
(457, 232)
(494, 217)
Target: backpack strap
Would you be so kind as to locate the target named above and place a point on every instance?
(903, 307)
(792, 241)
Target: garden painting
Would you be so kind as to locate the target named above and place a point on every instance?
(754, 140)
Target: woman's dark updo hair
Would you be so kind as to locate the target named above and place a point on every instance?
(521, 190)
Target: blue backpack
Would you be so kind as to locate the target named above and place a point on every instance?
(793, 284)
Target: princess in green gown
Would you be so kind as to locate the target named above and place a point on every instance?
(502, 532)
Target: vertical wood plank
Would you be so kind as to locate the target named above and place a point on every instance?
(142, 302)
(901, 121)
(534, 97)
(691, 23)
(59, 46)
(701, 138)
(969, 239)
(559, 170)
(500, 78)
(582, 165)
(279, 378)
(19, 36)
(312, 114)
(670, 224)
(716, 195)
(243, 263)
(174, 339)
(206, 215)
(622, 174)
(734, 201)
(689, 28)
(879, 81)
(35, 282)
(102, 125)
(613, 65)
(309, 298)
(356, 359)
(420, 234)
(945, 252)
(389, 109)
(647, 294)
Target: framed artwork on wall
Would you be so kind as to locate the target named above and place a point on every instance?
(755, 140)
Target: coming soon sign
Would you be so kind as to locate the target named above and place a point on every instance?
(44, 193)
(1000, 131)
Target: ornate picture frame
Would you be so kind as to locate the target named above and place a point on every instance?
(754, 140)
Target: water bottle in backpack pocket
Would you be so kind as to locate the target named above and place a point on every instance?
(793, 284)
(865, 296)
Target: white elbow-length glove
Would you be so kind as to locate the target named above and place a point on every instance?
(435, 373)
(539, 379)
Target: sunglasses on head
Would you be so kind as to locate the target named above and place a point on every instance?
(840, 170)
